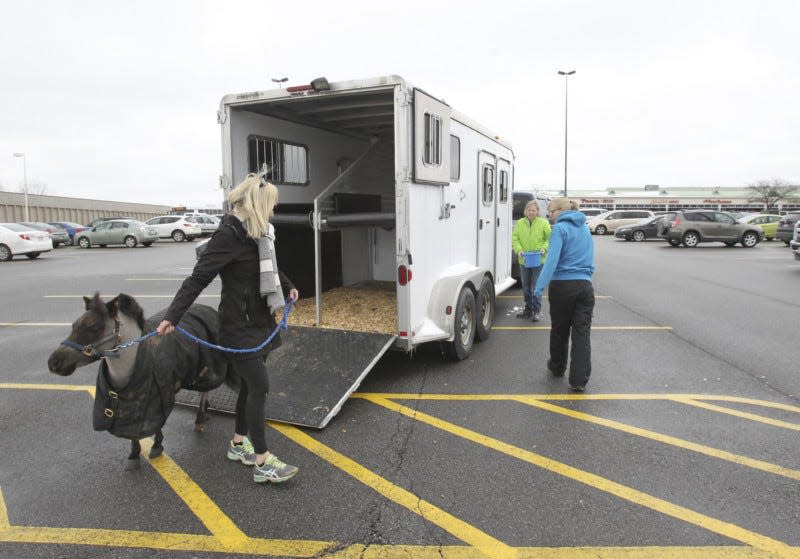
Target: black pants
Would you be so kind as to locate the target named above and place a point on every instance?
(571, 306)
(250, 403)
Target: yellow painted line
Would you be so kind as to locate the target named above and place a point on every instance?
(15, 324)
(4, 523)
(666, 439)
(737, 413)
(726, 529)
(520, 296)
(205, 295)
(195, 498)
(645, 328)
(490, 546)
(61, 387)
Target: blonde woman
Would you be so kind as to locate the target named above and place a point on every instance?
(245, 316)
(568, 271)
(530, 234)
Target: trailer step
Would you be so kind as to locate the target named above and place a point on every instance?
(311, 375)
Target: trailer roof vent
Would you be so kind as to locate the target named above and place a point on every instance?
(320, 84)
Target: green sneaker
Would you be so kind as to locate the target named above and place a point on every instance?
(274, 470)
(244, 452)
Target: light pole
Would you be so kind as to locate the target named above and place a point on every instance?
(280, 81)
(566, 101)
(25, 178)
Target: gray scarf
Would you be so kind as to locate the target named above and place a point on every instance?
(270, 283)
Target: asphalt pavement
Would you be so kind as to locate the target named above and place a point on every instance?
(684, 445)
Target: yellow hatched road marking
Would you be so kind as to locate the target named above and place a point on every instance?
(490, 546)
(593, 328)
(12, 324)
(195, 498)
(520, 296)
(204, 295)
(666, 439)
(737, 413)
(726, 529)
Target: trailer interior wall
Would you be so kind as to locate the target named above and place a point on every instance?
(360, 253)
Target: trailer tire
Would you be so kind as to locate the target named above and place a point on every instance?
(464, 327)
(485, 307)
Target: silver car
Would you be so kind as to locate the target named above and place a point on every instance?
(128, 232)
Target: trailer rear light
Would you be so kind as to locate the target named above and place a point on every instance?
(403, 275)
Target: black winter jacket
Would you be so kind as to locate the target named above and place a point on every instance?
(245, 320)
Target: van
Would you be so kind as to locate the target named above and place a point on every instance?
(609, 221)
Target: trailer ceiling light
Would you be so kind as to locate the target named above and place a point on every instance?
(320, 84)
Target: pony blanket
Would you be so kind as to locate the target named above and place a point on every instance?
(164, 365)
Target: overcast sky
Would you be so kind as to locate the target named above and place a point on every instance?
(117, 100)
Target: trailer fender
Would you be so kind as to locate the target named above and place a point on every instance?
(445, 294)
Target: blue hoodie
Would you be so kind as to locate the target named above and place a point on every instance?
(571, 252)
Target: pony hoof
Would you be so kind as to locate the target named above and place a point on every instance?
(132, 464)
(155, 452)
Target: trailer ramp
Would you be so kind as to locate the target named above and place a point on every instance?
(311, 375)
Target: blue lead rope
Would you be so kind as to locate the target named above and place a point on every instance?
(114, 352)
(281, 325)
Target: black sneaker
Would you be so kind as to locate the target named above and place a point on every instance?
(537, 316)
(527, 313)
(578, 388)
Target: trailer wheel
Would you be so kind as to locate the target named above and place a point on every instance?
(485, 305)
(465, 324)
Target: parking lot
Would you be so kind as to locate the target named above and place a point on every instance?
(684, 445)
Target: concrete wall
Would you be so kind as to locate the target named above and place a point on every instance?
(79, 210)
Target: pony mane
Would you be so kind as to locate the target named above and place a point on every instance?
(128, 306)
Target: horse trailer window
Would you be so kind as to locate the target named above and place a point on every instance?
(503, 186)
(455, 158)
(286, 163)
(433, 140)
(488, 185)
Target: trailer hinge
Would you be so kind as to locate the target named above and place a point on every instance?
(222, 116)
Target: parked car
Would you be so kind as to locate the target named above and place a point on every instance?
(785, 229)
(16, 239)
(71, 228)
(609, 221)
(58, 235)
(592, 212)
(100, 220)
(128, 232)
(767, 222)
(691, 227)
(176, 226)
(645, 229)
(795, 242)
(208, 225)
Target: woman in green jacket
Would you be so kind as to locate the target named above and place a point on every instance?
(531, 234)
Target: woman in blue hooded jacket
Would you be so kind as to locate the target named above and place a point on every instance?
(568, 271)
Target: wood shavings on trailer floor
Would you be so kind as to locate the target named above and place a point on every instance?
(366, 307)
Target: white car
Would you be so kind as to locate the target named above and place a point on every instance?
(19, 239)
(609, 221)
(208, 225)
(175, 226)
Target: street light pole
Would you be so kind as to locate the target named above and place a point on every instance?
(280, 81)
(25, 178)
(566, 106)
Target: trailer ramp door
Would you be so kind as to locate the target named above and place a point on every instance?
(311, 375)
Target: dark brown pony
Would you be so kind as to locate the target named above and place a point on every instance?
(136, 385)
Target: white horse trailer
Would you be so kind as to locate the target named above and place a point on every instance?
(379, 182)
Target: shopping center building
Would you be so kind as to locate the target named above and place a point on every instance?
(658, 198)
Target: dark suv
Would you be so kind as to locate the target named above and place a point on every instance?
(786, 227)
(691, 227)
